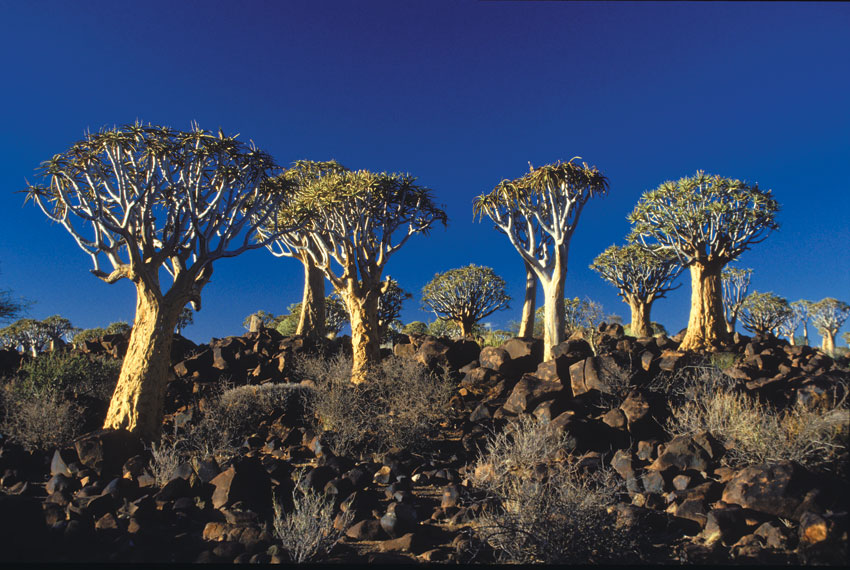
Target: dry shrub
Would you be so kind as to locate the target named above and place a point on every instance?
(233, 414)
(398, 406)
(41, 419)
(164, 460)
(544, 510)
(755, 432)
(307, 533)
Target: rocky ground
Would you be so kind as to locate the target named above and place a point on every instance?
(97, 501)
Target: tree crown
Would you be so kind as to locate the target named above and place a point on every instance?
(465, 294)
(638, 272)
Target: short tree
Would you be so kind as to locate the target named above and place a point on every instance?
(149, 198)
(788, 327)
(260, 319)
(539, 213)
(186, 318)
(10, 308)
(764, 313)
(415, 327)
(465, 295)
(735, 283)
(707, 221)
(389, 308)
(828, 316)
(352, 219)
(450, 329)
(641, 279)
(335, 317)
(846, 337)
(802, 310)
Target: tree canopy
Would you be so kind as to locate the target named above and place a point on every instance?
(828, 316)
(465, 295)
(764, 313)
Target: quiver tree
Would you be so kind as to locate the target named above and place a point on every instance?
(641, 277)
(465, 295)
(148, 198)
(335, 316)
(707, 221)
(259, 320)
(389, 308)
(788, 327)
(802, 309)
(764, 313)
(735, 283)
(539, 213)
(185, 319)
(295, 243)
(58, 330)
(356, 220)
(828, 316)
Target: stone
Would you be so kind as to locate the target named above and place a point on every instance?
(462, 352)
(246, 481)
(572, 351)
(409, 542)
(777, 488)
(814, 528)
(433, 354)
(450, 497)
(530, 391)
(615, 418)
(636, 406)
(525, 354)
(370, 529)
(495, 358)
(727, 524)
(683, 453)
(399, 519)
(106, 450)
(59, 464)
(772, 535)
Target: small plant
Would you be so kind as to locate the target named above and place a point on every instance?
(39, 420)
(542, 508)
(308, 533)
(164, 460)
(73, 372)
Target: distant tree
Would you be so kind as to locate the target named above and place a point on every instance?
(27, 335)
(415, 327)
(707, 221)
(334, 312)
(87, 335)
(544, 207)
(10, 308)
(736, 283)
(802, 310)
(641, 278)
(846, 337)
(352, 218)
(828, 316)
(450, 329)
(465, 295)
(788, 327)
(186, 318)
(764, 313)
(119, 327)
(296, 243)
(580, 316)
(58, 330)
(655, 328)
(150, 198)
(261, 318)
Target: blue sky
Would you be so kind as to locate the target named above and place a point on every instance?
(460, 94)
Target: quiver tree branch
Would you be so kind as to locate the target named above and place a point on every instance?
(735, 282)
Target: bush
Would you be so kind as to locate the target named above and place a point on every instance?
(541, 507)
(308, 533)
(755, 432)
(164, 460)
(234, 413)
(40, 420)
(66, 371)
(398, 407)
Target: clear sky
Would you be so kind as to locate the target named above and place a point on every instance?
(460, 94)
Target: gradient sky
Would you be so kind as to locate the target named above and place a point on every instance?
(460, 94)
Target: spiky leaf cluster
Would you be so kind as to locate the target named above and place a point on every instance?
(466, 294)
(763, 313)
(704, 218)
(148, 196)
(638, 273)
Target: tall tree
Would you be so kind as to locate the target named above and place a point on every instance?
(764, 313)
(640, 277)
(295, 243)
(802, 309)
(149, 198)
(539, 213)
(353, 227)
(707, 221)
(788, 327)
(828, 316)
(735, 283)
(465, 295)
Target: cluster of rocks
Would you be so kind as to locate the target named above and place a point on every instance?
(99, 499)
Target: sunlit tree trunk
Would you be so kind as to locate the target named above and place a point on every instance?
(137, 403)
(806, 333)
(707, 323)
(526, 323)
(553, 305)
(365, 338)
(828, 344)
(641, 325)
(311, 322)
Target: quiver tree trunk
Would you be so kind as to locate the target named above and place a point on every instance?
(553, 306)
(707, 323)
(137, 403)
(526, 323)
(640, 326)
(730, 324)
(311, 322)
(828, 344)
(365, 337)
(466, 327)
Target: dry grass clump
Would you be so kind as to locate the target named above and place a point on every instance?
(233, 414)
(398, 406)
(545, 510)
(41, 419)
(755, 432)
(307, 533)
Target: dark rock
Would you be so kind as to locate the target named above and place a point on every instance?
(246, 481)
(773, 535)
(106, 451)
(572, 351)
(399, 519)
(495, 358)
(59, 462)
(727, 524)
(462, 352)
(370, 529)
(433, 354)
(529, 392)
(684, 452)
(206, 469)
(175, 488)
(615, 418)
(22, 528)
(525, 354)
(777, 489)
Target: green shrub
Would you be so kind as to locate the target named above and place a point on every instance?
(39, 420)
(398, 406)
(67, 371)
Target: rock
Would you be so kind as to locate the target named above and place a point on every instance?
(777, 488)
(594, 373)
(671, 361)
(246, 481)
(525, 354)
(572, 351)
(206, 469)
(814, 529)
(495, 358)
(370, 529)
(773, 535)
(529, 392)
(726, 524)
(462, 352)
(478, 379)
(409, 542)
(450, 497)
(399, 519)
(615, 418)
(105, 451)
(433, 354)
(59, 462)
(22, 528)
(555, 370)
(682, 453)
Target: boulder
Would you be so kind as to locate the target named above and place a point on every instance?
(433, 354)
(529, 392)
(106, 450)
(777, 488)
(495, 358)
(525, 354)
(462, 352)
(245, 481)
(688, 452)
(573, 351)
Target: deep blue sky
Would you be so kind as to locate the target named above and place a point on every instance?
(460, 94)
